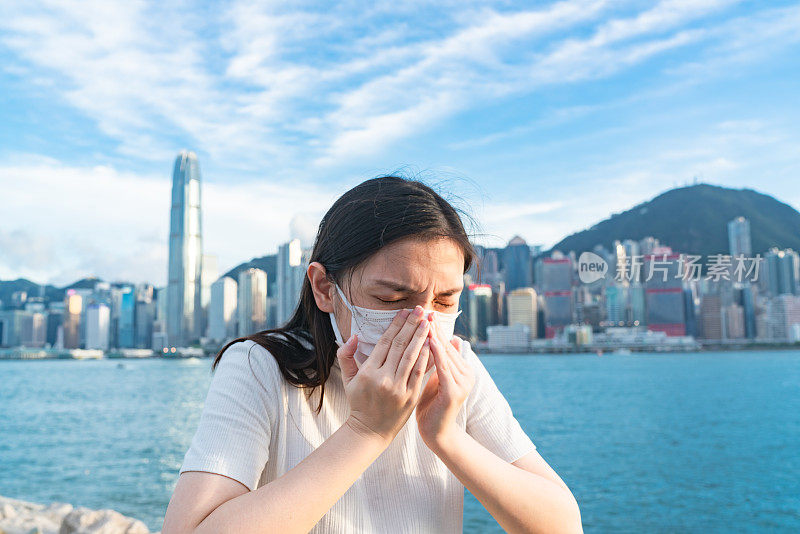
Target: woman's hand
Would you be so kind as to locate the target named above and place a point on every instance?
(383, 392)
(445, 392)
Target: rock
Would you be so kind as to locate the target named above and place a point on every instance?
(85, 521)
(21, 517)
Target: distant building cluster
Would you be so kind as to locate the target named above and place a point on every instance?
(196, 307)
(517, 298)
(641, 293)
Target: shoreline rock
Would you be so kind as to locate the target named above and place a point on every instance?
(23, 517)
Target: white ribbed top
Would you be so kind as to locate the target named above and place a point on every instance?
(255, 426)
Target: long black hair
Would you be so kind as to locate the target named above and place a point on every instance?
(366, 218)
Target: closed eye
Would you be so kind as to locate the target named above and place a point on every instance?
(389, 301)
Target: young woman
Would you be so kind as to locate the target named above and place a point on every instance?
(364, 413)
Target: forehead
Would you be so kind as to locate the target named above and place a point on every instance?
(417, 263)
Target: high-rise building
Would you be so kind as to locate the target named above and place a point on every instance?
(733, 317)
(222, 309)
(498, 302)
(480, 311)
(521, 304)
(665, 306)
(127, 319)
(556, 285)
(783, 312)
(208, 276)
(10, 327)
(73, 308)
(55, 318)
(34, 329)
(252, 301)
(616, 304)
(517, 264)
(739, 237)
(781, 271)
(291, 272)
(98, 317)
(648, 245)
(145, 316)
(184, 282)
(711, 316)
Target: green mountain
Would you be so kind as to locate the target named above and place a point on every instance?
(694, 220)
(268, 263)
(51, 293)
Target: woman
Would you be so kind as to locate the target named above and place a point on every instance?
(364, 413)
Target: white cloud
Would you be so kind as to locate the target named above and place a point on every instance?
(68, 222)
(270, 83)
(291, 95)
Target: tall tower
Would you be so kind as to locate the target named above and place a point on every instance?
(739, 237)
(184, 283)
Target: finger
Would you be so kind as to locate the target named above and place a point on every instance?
(412, 352)
(346, 354)
(431, 388)
(416, 374)
(458, 356)
(454, 355)
(378, 354)
(401, 340)
(446, 380)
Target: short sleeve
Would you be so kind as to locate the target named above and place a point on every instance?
(233, 435)
(489, 417)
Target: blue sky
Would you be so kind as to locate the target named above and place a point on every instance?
(538, 118)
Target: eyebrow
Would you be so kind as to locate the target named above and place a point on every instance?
(401, 288)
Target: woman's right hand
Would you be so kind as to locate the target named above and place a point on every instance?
(383, 392)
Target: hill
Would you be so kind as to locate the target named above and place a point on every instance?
(267, 263)
(694, 220)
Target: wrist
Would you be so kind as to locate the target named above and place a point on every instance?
(363, 433)
(446, 442)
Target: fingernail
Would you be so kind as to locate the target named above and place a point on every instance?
(418, 311)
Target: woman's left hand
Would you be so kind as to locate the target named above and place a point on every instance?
(445, 392)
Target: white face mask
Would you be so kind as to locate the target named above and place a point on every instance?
(371, 324)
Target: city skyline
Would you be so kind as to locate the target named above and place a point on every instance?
(542, 119)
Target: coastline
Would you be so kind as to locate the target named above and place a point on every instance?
(25, 353)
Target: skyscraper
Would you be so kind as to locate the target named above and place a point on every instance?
(517, 264)
(480, 311)
(222, 309)
(739, 237)
(664, 296)
(73, 306)
(291, 273)
(184, 288)
(522, 309)
(252, 301)
(556, 285)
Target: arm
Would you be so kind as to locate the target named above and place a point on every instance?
(296, 501)
(519, 500)
(526, 496)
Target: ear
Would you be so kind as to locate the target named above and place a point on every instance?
(321, 287)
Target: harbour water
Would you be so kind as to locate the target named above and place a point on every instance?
(684, 442)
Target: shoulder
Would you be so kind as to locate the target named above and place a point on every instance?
(469, 355)
(249, 359)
